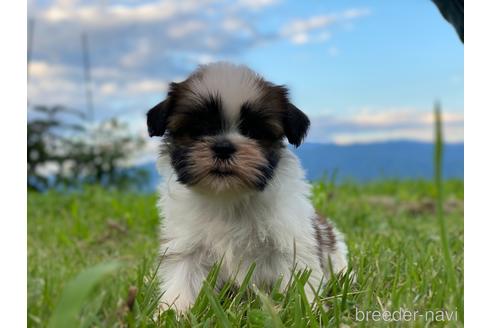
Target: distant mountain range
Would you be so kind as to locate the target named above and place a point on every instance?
(366, 162)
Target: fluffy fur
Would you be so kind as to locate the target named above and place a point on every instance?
(231, 190)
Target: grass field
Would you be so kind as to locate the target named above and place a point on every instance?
(391, 229)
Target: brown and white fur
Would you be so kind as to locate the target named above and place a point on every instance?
(232, 191)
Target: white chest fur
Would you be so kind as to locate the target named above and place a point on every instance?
(199, 229)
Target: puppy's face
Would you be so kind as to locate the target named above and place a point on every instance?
(223, 128)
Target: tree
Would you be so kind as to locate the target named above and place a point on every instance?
(67, 152)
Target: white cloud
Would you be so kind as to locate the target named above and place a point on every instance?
(62, 84)
(299, 38)
(315, 28)
(39, 68)
(396, 117)
(385, 124)
(311, 23)
(108, 73)
(233, 24)
(355, 13)
(53, 83)
(56, 91)
(424, 134)
(147, 86)
(204, 59)
(186, 29)
(108, 88)
(137, 56)
(110, 15)
(44, 70)
(257, 4)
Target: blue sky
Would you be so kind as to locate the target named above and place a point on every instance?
(363, 71)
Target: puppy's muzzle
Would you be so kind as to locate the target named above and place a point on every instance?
(223, 149)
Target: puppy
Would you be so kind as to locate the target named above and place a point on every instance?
(232, 190)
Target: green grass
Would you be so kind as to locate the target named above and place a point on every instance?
(391, 227)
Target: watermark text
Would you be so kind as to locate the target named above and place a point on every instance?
(405, 315)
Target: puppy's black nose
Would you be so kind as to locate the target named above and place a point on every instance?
(223, 149)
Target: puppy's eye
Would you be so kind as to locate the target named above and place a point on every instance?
(199, 124)
(201, 119)
(259, 125)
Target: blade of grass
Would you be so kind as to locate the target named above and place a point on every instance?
(301, 282)
(76, 293)
(244, 286)
(219, 312)
(268, 306)
(201, 300)
(438, 152)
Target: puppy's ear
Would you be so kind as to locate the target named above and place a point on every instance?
(296, 125)
(157, 119)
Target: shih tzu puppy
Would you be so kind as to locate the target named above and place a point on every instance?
(232, 191)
